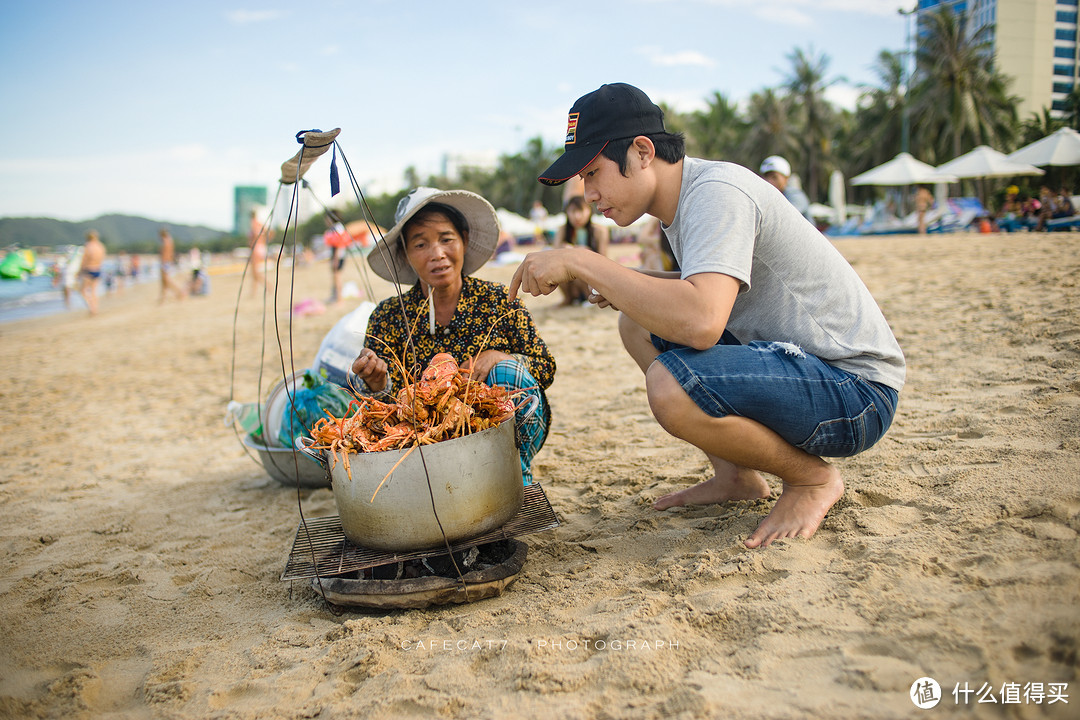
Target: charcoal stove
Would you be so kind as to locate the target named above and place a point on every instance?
(350, 575)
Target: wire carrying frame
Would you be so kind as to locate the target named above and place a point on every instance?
(315, 144)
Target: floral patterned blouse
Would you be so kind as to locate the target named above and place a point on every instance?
(485, 319)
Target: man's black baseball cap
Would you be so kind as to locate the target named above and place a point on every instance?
(614, 112)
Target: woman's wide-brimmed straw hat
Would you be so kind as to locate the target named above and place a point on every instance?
(388, 259)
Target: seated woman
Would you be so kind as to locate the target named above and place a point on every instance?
(439, 238)
(1010, 216)
(579, 230)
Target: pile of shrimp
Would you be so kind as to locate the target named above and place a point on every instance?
(443, 404)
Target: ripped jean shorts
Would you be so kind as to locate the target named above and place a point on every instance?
(815, 406)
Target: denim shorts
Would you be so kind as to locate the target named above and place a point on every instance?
(815, 406)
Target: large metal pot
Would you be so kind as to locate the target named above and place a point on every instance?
(474, 483)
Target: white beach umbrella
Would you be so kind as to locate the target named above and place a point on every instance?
(1060, 148)
(553, 222)
(514, 224)
(902, 170)
(985, 162)
(838, 197)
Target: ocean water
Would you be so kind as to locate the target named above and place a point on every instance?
(34, 297)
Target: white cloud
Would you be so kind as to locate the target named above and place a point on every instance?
(843, 95)
(804, 12)
(686, 57)
(681, 101)
(249, 17)
(682, 58)
(783, 14)
(885, 8)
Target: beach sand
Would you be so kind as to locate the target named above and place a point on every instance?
(142, 548)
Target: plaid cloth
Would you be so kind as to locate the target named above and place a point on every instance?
(531, 432)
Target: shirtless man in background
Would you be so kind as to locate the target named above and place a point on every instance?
(168, 267)
(93, 258)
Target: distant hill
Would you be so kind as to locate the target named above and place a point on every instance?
(118, 232)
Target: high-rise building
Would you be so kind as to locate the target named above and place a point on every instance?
(246, 197)
(1033, 41)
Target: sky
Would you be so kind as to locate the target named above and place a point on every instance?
(161, 109)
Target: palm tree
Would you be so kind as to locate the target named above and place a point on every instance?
(716, 132)
(877, 135)
(813, 114)
(1039, 125)
(1072, 109)
(958, 99)
(769, 129)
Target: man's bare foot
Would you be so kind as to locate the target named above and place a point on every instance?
(744, 484)
(799, 510)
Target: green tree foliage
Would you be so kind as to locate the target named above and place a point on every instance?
(1072, 109)
(813, 115)
(1039, 125)
(770, 129)
(716, 133)
(879, 119)
(958, 99)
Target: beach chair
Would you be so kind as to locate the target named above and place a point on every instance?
(850, 228)
(909, 225)
(1066, 223)
(960, 214)
(1017, 224)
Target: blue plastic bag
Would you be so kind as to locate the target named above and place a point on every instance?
(310, 403)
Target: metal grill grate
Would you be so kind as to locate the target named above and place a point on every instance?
(321, 544)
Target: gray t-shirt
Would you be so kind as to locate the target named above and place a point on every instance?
(795, 286)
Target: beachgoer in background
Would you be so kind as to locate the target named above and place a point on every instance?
(199, 283)
(1030, 208)
(199, 280)
(924, 200)
(1064, 204)
(766, 351)
(1010, 215)
(1054, 206)
(579, 230)
(338, 240)
(257, 242)
(123, 270)
(539, 216)
(777, 172)
(439, 239)
(655, 249)
(167, 251)
(90, 268)
(67, 274)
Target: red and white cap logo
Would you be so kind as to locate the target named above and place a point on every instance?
(571, 128)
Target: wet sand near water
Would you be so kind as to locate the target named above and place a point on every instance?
(142, 548)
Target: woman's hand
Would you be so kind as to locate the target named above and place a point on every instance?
(482, 364)
(370, 368)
